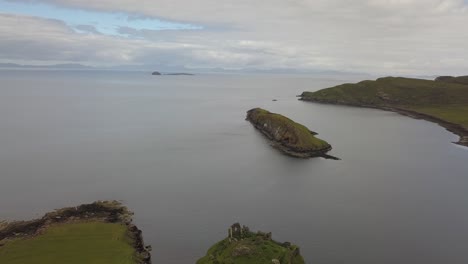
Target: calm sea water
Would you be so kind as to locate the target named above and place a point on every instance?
(178, 152)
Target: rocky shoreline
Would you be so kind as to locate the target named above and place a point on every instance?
(282, 136)
(102, 211)
(454, 128)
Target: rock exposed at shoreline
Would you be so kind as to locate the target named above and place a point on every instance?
(156, 73)
(244, 246)
(288, 136)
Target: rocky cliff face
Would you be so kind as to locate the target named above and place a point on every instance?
(288, 136)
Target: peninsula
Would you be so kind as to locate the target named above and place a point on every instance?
(101, 232)
(443, 100)
(246, 247)
(288, 136)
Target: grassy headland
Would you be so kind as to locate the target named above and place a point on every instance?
(101, 232)
(292, 138)
(444, 101)
(245, 247)
(451, 79)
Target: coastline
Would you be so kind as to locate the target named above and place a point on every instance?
(456, 129)
(111, 212)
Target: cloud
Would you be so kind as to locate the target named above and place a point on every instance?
(87, 28)
(375, 36)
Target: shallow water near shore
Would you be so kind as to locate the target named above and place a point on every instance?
(178, 152)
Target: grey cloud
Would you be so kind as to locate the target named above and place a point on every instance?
(88, 29)
(376, 36)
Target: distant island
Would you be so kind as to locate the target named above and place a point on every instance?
(288, 136)
(176, 73)
(246, 247)
(101, 232)
(443, 100)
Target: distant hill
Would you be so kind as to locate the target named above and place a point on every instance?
(451, 79)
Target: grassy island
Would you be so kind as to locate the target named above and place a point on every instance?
(290, 137)
(245, 247)
(444, 100)
(100, 232)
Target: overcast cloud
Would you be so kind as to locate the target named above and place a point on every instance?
(372, 36)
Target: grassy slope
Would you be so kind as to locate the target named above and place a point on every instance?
(450, 79)
(305, 140)
(441, 99)
(72, 243)
(263, 251)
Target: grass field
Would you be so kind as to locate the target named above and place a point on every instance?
(457, 114)
(72, 243)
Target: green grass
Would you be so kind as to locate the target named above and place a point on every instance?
(72, 243)
(286, 130)
(457, 114)
(446, 99)
(262, 252)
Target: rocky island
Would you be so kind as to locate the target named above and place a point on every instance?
(173, 73)
(101, 232)
(443, 100)
(246, 247)
(288, 136)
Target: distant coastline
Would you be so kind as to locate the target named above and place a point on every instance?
(156, 73)
(443, 101)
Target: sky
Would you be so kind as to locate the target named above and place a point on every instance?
(391, 37)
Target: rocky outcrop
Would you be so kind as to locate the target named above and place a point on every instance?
(244, 246)
(288, 136)
(156, 73)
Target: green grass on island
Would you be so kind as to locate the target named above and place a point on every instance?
(445, 99)
(73, 243)
(252, 248)
(285, 130)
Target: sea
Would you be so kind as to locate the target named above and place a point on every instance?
(178, 152)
